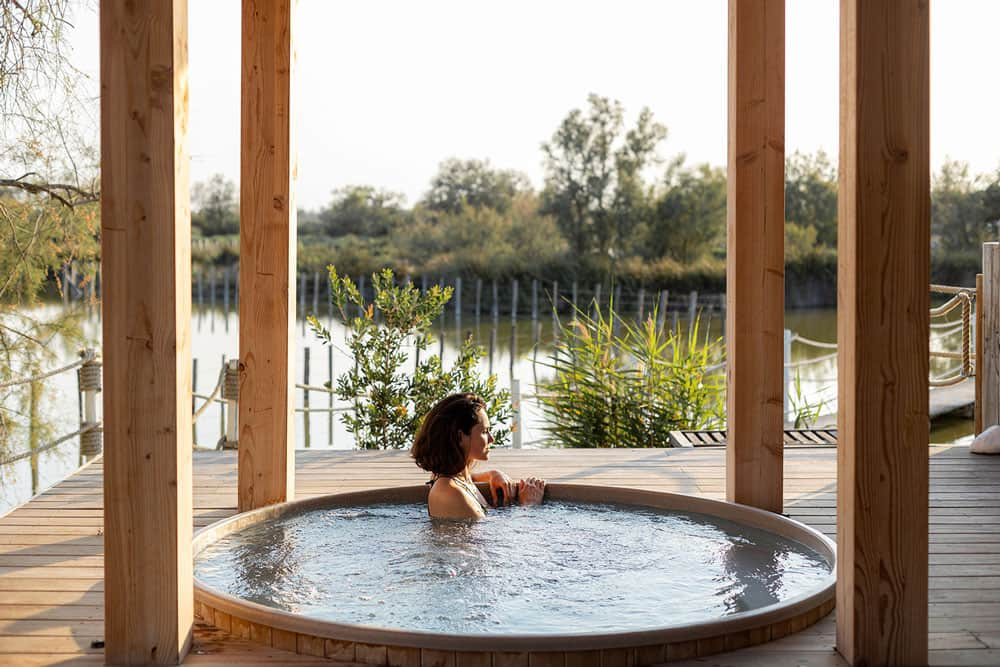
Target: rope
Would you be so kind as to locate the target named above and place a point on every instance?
(949, 305)
(966, 337)
(310, 387)
(807, 362)
(87, 357)
(948, 289)
(48, 446)
(215, 392)
(945, 382)
(814, 343)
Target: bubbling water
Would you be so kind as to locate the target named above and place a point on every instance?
(559, 568)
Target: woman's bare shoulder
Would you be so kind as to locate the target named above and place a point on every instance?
(447, 500)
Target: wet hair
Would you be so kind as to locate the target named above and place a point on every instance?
(438, 447)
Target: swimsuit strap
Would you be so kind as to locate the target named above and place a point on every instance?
(469, 487)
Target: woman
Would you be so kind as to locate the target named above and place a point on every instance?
(454, 436)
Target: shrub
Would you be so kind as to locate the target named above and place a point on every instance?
(630, 389)
(388, 402)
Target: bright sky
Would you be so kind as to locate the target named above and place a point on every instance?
(387, 89)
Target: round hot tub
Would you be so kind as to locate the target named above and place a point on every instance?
(596, 575)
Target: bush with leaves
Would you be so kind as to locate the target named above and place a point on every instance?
(630, 389)
(390, 401)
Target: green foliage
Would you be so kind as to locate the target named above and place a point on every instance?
(811, 195)
(805, 412)
(593, 175)
(475, 184)
(965, 209)
(363, 210)
(215, 208)
(390, 401)
(690, 214)
(630, 389)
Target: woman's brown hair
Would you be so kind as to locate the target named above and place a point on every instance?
(438, 447)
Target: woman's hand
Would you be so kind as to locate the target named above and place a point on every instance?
(530, 491)
(502, 488)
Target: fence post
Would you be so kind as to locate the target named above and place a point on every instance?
(788, 373)
(978, 322)
(991, 335)
(458, 307)
(642, 303)
(194, 401)
(90, 382)
(515, 405)
(230, 395)
(662, 313)
(479, 301)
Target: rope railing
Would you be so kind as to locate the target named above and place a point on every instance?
(85, 357)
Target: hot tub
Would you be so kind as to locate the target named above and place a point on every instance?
(626, 567)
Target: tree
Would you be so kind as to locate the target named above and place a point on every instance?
(474, 183)
(811, 195)
(215, 206)
(960, 221)
(689, 216)
(363, 210)
(593, 183)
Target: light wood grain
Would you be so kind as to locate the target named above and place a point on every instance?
(883, 327)
(267, 257)
(755, 284)
(990, 332)
(146, 266)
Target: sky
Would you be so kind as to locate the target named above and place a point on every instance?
(388, 89)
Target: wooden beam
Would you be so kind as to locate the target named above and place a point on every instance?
(755, 273)
(883, 327)
(988, 377)
(146, 265)
(267, 258)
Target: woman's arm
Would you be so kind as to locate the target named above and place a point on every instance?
(499, 482)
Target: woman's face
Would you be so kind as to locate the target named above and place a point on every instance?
(476, 444)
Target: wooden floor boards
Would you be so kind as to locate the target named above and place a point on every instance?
(51, 549)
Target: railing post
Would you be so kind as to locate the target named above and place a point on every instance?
(91, 437)
(230, 395)
(978, 338)
(990, 334)
(787, 374)
(515, 404)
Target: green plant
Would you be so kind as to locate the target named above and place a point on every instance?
(805, 412)
(389, 402)
(630, 389)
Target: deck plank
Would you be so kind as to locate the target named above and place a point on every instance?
(51, 549)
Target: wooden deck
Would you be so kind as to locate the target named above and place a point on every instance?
(51, 564)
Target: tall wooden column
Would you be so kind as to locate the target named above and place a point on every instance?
(267, 258)
(882, 329)
(755, 262)
(146, 266)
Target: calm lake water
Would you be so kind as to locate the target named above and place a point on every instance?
(215, 338)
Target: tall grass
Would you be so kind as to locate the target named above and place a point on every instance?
(623, 384)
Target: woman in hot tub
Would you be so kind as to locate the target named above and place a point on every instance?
(455, 435)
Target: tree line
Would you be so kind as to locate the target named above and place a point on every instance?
(609, 206)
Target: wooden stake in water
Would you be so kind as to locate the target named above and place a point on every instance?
(458, 305)
(597, 301)
(642, 303)
(225, 299)
(493, 345)
(315, 294)
(194, 401)
(479, 294)
(305, 398)
(496, 305)
(662, 308)
(329, 381)
(513, 303)
(617, 305)
(361, 291)
(516, 419)
(574, 298)
(534, 301)
(555, 309)
(302, 301)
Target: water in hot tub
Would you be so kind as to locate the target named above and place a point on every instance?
(559, 568)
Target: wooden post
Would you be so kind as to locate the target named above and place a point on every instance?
(513, 303)
(496, 305)
(662, 308)
(883, 326)
(146, 262)
(307, 440)
(979, 354)
(515, 417)
(479, 302)
(330, 385)
(755, 253)
(642, 303)
(267, 258)
(990, 376)
(458, 309)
